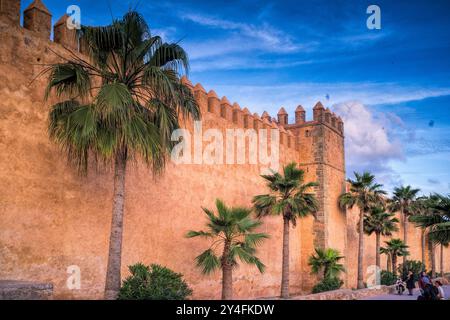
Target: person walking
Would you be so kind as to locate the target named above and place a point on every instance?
(410, 283)
(424, 280)
(441, 292)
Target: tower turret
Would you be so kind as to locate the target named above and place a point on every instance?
(300, 115)
(37, 18)
(63, 35)
(318, 112)
(282, 117)
(10, 11)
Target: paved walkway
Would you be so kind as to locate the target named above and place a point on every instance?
(404, 296)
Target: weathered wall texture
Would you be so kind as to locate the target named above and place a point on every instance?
(51, 218)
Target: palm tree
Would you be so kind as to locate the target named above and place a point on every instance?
(382, 224)
(437, 223)
(122, 104)
(233, 230)
(396, 248)
(364, 193)
(291, 199)
(401, 201)
(326, 260)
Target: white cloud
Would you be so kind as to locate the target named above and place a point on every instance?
(367, 135)
(371, 144)
(263, 36)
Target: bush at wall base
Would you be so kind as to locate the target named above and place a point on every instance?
(153, 282)
(411, 265)
(328, 284)
(387, 278)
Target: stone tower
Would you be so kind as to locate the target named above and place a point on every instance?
(37, 18)
(320, 145)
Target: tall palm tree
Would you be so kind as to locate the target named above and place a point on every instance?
(290, 198)
(232, 229)
(120, 104)
(382, 224)
(326, 260)
(396, 248)
(364, 193)
(437, 223)
(401, 201)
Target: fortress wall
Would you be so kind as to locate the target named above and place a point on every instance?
(52, 218)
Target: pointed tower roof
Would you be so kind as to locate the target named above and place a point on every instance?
(282, 111)
(299, 109)
(199, 87)
(225, 100)
(265, 115)
(37, 4)
(236, 106)
(319, 105)
(62, 20)
(246, 111)
(212, 94)
(186, 81)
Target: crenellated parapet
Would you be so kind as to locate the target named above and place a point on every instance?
(37, 18)
(233, 116)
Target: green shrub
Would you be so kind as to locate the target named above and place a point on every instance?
(411, 265)
(328, 284)
(153, 283)
(387, 278)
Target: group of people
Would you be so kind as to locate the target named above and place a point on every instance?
(428, 289)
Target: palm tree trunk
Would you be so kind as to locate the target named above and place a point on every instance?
(227, 274)
(405, 233)
(389, 263)
(423, 247)
(113, 278)
(394, 264)
(360, 284)
(285, 266)
(377, 256)
(441, 267)
(432, 258)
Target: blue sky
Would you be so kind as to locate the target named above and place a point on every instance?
(392, 86)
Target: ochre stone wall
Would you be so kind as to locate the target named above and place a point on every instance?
(51, 218)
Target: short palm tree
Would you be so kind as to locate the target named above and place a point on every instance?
(437, 223)
(364, 193)
(291, 199)
(327, 261)
(231, 232)
(387, 252)
(401, 201)
(395, 248)
(382, 224)
(120, 104)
